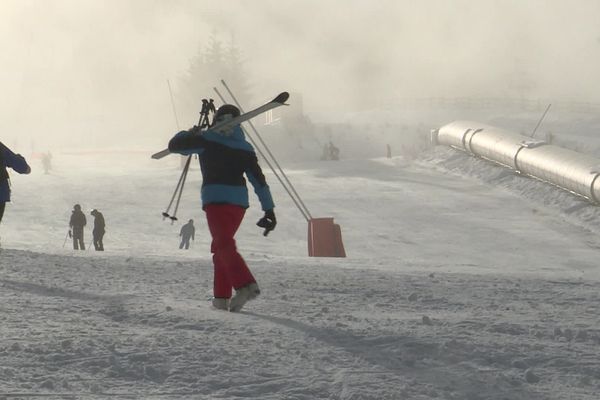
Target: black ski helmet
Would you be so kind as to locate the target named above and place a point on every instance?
(226, 109)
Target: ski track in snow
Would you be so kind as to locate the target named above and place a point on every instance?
(129, 328)
(413, 313)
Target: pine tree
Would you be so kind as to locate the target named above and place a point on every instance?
(212, 63)
(235, 76)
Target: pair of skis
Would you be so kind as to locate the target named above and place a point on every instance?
(223, 127)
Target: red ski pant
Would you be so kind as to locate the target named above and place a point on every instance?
(230, 268)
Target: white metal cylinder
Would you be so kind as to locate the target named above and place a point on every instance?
(568, 169)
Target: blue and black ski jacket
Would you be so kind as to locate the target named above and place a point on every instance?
(10, 160)
(224, 159)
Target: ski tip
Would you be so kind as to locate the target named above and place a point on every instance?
(281, 98)
(161, 154)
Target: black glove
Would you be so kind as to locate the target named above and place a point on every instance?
(70, 234)
(268, 222)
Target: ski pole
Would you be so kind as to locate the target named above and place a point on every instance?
(207, 107)
(204, 122)
(177, 188)
(173, 104)
(185, 171)
(165, 214)
(66, 236)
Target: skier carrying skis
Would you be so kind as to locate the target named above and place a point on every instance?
(8, 159)
(224, 159)
(187, 232)
(76, 223)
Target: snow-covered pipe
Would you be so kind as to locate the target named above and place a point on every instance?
(567, 169)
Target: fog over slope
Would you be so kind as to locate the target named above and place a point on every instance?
(92, 72)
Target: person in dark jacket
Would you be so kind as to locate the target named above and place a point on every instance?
(77, 223)
(17, 162)
(187, 232)
(224, 160)
(99, 230)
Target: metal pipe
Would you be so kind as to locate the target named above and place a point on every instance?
(572, 171)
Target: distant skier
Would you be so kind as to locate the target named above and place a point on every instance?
(334, 152)
(187, 232)
(325, 154)
(76, 224)
(330, 152)
(8, 159)
(224, 159)
(47, 162)
(99, 230)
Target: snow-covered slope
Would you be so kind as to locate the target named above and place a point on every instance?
(454, 288)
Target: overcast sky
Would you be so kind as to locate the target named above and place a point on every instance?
(82, 71)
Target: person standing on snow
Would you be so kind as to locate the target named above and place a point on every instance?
(334, 152)
(98, 232)
(224, 159)
(76, 223)
(47, 162)
(187, 231)
(8, 159)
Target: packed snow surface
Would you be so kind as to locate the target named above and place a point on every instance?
(462, 281)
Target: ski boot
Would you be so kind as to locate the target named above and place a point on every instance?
(242, 295)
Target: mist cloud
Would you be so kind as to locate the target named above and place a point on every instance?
(94, 71)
